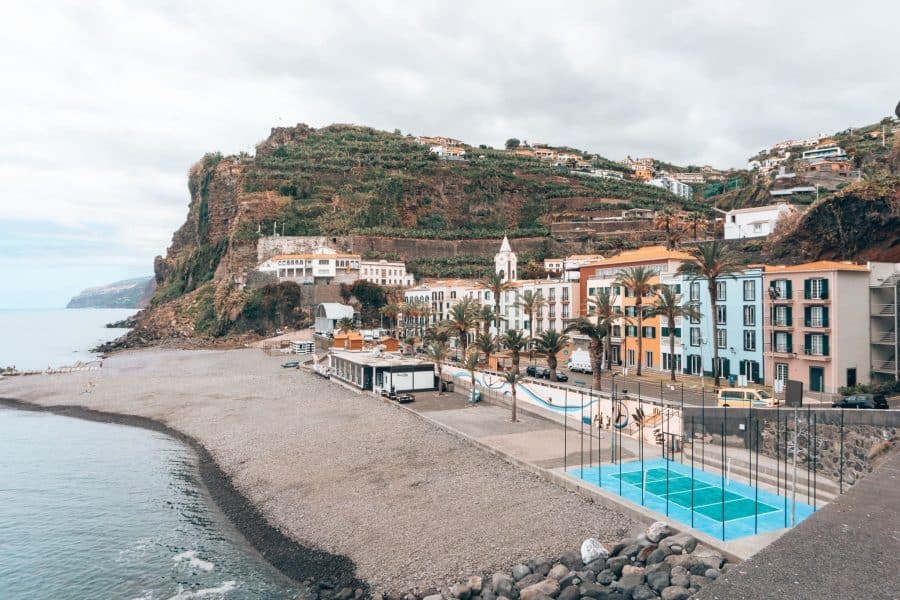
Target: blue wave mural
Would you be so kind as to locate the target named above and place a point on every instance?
(522, 389)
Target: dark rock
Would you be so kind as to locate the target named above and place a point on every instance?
(621, 544)
(605, 577)
(682, 560)
(587, 575)
(326, 585)
(503, 585)
(488, 595)
(570, 593)
(520, 571)
(541, 566)
(680, 577)
(658, 580)
(594, 590)
(698, 569)
(596, 565)
(571, 579)
(572, 560)
(626, 583)
(711, 558)
(345, 594)
(674, 592)
(645, 552)
(642, 592)
(616, 563)
(684, 540)
(699, 581)
(658, 555)
(528, 580)
(558, 572)
(461, 591)
(631, 550)
(712, 574)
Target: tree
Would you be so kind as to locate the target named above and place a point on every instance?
(486, 316)
(346, 293)
(471, 365)
(551, 343)
(345, 325)
(531, 302)
(603, 303)
(437, 351)
(695, 220)
(667, 221)
(463, 316)
(512, 143)
(596, 333)
(712, 262)
(371, 298)
(515, 341)
(391, 311)
(488, 344)
(512, 378)
(668, 305)
(639, 281)
(495, 283)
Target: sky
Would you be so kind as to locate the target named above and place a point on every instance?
(105, 106)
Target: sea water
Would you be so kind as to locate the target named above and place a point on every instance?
(97, 510)
(37, 339)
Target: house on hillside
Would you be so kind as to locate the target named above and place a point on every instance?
(328, 314)
(758, 221)
(673, 185)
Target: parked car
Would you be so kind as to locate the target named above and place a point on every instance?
(862, 401)
(560, 376)
(745, 398)
(538, 371)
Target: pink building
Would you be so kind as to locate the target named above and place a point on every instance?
(817, 325)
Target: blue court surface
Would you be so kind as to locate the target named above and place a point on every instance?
(696, 498)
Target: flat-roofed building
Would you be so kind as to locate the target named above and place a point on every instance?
(387, 273)
(757, 221)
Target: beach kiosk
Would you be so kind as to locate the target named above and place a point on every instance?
(348, 340)
(376, 371)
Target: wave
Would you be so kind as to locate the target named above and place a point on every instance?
(204, 592)
(197, 563)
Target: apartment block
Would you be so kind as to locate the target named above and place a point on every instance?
(884, 320)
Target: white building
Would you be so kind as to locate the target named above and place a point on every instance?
(673, 185)
(329, 313)
(689, 177)
(383, 272)
(754, 222)
(325, 263)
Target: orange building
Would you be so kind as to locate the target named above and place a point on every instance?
(349, 340)
(643, 173)
(653, 331)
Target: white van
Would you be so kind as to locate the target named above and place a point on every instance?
(580, 362)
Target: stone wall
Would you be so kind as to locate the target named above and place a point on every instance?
(408, 249)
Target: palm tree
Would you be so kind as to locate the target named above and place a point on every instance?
(471, 365)
(695, 219)
(515, 341)
(488, 344)
(668, 304)
(551, 343)
(424, 313)
(512, 378)
(667, 221)
(345, 325)
(531, 302)
(391, 311)
(596, 333)
(487, 315)
(405, 313)
(639, 281)
(437, 351)
(463, 317)
(603, 303)
(495, 283)
(712, 262)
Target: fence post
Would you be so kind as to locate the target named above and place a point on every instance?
(566, 431)
(842, 451)
(722, 472)
(693, 437)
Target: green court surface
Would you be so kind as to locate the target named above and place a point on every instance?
(705, 498)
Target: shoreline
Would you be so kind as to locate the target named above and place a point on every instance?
(294, 560)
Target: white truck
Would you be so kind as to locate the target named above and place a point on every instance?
(580, 362)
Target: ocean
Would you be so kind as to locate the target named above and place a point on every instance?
(36, 339)
(100, 510)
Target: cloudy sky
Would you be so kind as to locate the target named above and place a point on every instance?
(106, 105)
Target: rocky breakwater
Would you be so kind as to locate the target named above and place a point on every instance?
(658, 563)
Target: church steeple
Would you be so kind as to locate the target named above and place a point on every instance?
(505, 261)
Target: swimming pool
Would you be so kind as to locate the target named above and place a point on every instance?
(671, 489)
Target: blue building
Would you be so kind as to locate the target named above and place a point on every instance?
(739, 336)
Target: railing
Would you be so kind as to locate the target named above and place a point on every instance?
(887, 338)
(884, 366)
(815, 352)
(885, 310)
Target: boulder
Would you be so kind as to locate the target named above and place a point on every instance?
(658, 580)
(712, 574)
(570, 579)
(642, 592)
(605, 577)
(503, 585)
(621, 544)
(570, 593)
(632, 570)
(698, 569)
(462, 591)
(594, 590)
(616, 564)
(658, 555)
(475, 583)
(645, 553)
(547, 587)
(572, 560)
(713, 559)
(631, 550)
(596, 565)
(558, 572)
(529, 580)
(680, 577)
(674, 592)
(541, 565)
(626, 583)
(699, 581)
(658, 531)
(683, 560)
(586, 575)
(592, 550)
(488, 595)
(520, 571)
(685, 541)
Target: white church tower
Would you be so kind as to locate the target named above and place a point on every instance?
(505, 261)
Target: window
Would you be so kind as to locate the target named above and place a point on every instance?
(323, 261)
(648, 332)
(782, 342)
(695, 336)
(749, 316)
(780, 289)
(590, 291)
(631, 311)
(551, 296)
(720, 290)
(453, 294)
(565, 311)
(749, 339)
(816, 344)
(630, 331)
(695, 318)
(617, 331)
(749, 290)
(781, 371)
(815, 289)
(782, 316)
(722, 314)
(630, 357)
(565, 293)
(722, 338)
(695, 291)
(667, 361)
(648, 359)
(816, 316)
(552, 312)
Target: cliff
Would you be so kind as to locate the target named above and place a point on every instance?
(129, 293)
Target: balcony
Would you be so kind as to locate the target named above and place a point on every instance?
(783, 349)
(888, 338)
(884, 310)
(818, 324)
(884, 366)
(814, 354)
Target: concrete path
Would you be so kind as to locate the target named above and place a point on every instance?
(849, 549)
